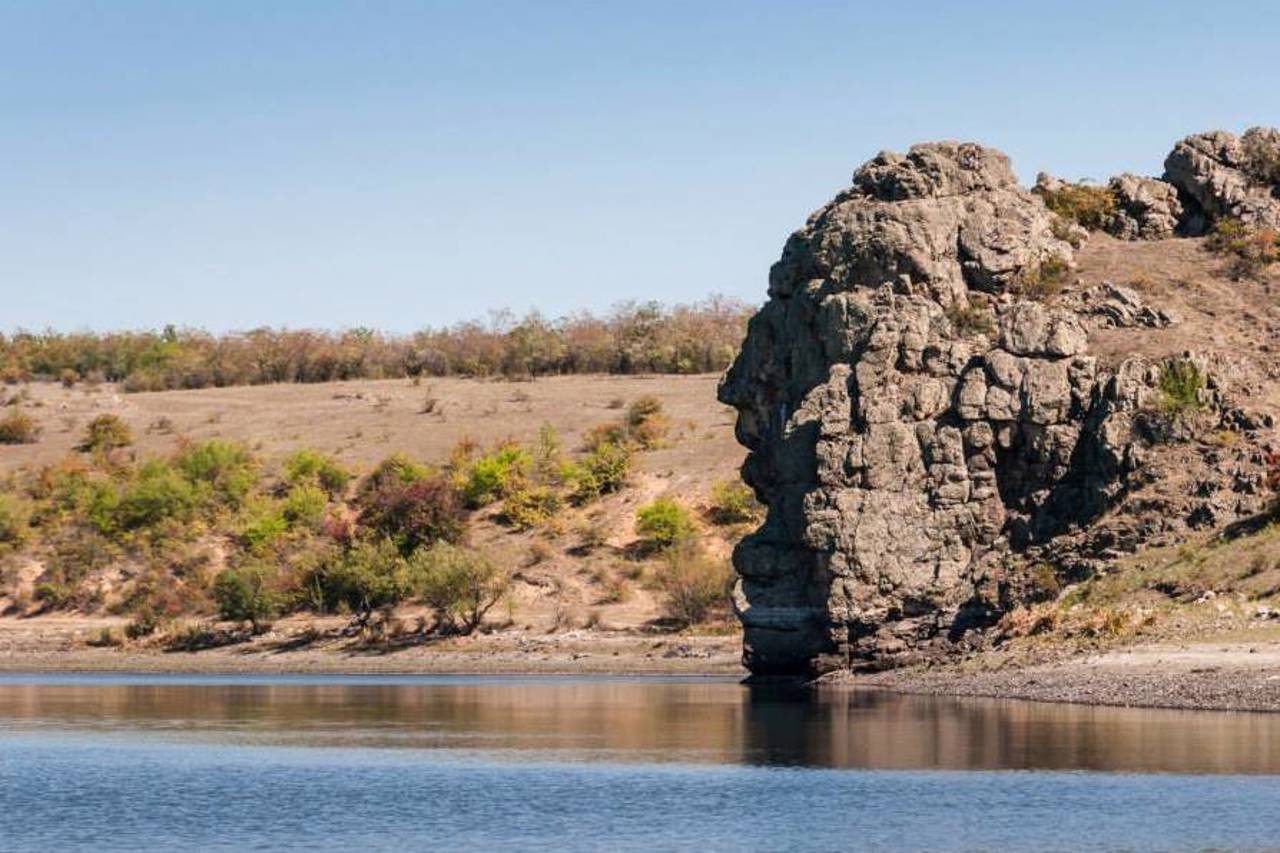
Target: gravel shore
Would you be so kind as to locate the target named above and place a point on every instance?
(1201, 676)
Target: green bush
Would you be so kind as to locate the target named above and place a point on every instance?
(360, 579)
(664, 523)
(733, 502)
(694, 585)
(245, 595)
(528, 507)
(1180, 384)
(105, 433)
(17, 427)
(602, 471)
(309, 466)
(158, 493)
(15, 520)
(304, 506)
(460, 586)
(490, 477)
(264, 522)
(225, 468)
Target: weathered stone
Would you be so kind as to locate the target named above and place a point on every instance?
(1223, 176)
(1146, 208)
(901, 460)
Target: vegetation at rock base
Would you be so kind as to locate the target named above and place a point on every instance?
(1249, 251)
(1042, 281)
(1180, 384)
(971, 319)
(733, 502)
(695, 585)
(633, 338)
(1088, 205)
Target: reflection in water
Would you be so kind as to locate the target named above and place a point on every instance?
(681, 720)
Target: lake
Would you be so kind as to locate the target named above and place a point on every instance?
(478, 763)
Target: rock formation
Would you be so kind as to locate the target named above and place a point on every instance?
(916, 423)
(1222, 176)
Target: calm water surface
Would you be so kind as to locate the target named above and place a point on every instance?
(340, 763)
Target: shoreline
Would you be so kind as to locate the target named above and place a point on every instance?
(1198, 676)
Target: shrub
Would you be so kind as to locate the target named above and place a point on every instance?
(264, 522)
(548, 455)
(602, 471)
(1044, 280)
(493, 475)
(971, 319)
(664, 522)
(1250, 250)
(18, 427)
(1180, 383)
(397, 469)
(694, 585)
(53, 595)
(460, 586)
(144, 623)
(304, 506)
(224, 468)
(733, 502)
(245, 595)
(157, 493)
(360, 579)
(646, 424)
(414, 514)
(1090, 206)
(15, 520)
(602, 435)
(105, 433)
(309, 466)
(528, 507)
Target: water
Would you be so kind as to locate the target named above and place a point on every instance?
(343, 763)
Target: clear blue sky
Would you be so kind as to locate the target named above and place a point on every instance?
(233, 163)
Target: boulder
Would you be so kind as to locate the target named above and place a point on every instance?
(1222, 176)
(1146, 208)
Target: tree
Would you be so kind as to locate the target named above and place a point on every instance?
(244, 595)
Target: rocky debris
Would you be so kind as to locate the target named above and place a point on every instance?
(1146, 208)
(907, 461)
(1114, 306)
(1224, 176)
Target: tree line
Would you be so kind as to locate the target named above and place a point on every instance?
(634, 337)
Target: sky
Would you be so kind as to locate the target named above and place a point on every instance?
(230, 164)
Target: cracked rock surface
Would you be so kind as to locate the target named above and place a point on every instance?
(905, 451)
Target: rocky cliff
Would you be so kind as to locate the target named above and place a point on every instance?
(930, 421)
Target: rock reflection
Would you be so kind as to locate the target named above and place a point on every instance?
(679, 721)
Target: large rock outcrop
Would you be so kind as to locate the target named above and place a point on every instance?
(912, 421)
(1223, 176)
